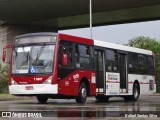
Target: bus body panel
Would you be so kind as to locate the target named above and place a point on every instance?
(147, 83)
(112, 83)
(70, 85)
(33, 89)
(121, 47)
(23, 79)
(75, 39)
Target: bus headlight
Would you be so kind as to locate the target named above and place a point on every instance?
(13, 82)
(48, 81)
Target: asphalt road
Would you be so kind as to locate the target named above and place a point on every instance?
(148, 107)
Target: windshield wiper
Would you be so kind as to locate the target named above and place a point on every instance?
(39, 53)
(15, 51)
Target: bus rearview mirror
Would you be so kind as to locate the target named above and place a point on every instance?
(64, 59)
(4, 56)
(5, 53)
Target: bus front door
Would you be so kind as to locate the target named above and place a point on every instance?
(100, 71)
(123, 72)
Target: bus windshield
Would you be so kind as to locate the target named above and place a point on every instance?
(33, 59)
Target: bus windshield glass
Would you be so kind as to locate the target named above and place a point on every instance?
(33, 59)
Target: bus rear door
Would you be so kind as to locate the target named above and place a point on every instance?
(123, 72)
(100, 71)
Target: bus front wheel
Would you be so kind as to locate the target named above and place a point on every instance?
(135, 95)
(82, 93)
(42, 99)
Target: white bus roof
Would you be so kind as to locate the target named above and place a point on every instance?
(122, 47)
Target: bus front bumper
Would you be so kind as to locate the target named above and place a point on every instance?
(33, 89)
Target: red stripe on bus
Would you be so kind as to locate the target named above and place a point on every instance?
(128, 82)
(75, 39)
(112, 81)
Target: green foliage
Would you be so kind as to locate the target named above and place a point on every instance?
(149, 44)
(3, 79)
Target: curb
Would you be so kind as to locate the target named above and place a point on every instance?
(154, 94)
(15, 98)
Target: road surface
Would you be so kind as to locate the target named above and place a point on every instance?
(148, 107)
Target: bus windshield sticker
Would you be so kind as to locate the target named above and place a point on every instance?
(93, 80)
(32, 69)
(24, 49)
(76, 76)
(66, 83)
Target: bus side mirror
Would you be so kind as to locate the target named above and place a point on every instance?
(64, 59)
(4, 55)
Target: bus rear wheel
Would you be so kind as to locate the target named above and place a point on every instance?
(42, 99)
(136, 92)
(82, 94)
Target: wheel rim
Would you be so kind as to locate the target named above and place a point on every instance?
(136, 93)
(84, 93)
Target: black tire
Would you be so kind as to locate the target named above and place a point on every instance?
(136, 91)
(135, 96)
(102, 98)
(42, 99)
(82, 94)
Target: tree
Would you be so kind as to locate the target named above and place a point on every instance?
(149, 44)
(3, 80)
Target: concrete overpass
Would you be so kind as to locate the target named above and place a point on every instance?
(24, 16)
(64, 14)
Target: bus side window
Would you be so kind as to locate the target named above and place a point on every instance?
(133, 63)
(150, 65)
(111, 60)
(150, 62)
(60, 55)
(77, 56)
(65, 48)
(142, 60)
(82, 55)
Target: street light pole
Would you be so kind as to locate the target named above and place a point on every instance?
(90, 17)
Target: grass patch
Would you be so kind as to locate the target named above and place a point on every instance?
(6, 95)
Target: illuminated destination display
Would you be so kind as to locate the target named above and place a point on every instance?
(35, 39)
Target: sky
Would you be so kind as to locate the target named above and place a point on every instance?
(120, 33)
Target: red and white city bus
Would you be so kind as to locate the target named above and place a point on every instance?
(60, 66)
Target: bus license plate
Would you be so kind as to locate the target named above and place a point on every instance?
(29, 87)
